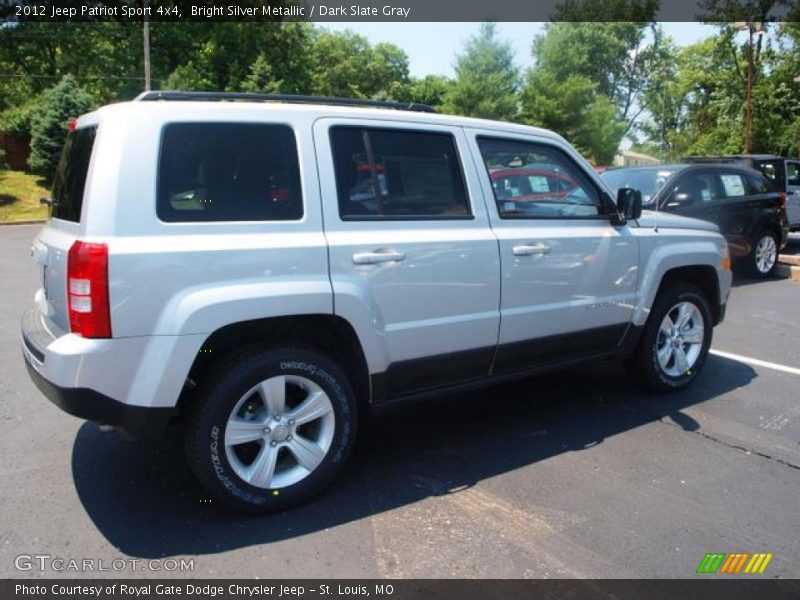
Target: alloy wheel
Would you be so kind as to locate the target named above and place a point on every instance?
(279, 431)
(680, 339)
(766, 254)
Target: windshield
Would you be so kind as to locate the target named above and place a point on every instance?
(647, 181)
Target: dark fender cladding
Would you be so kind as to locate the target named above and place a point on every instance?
(522, 355)
(461, 371)
(432, 371)
(137, 421)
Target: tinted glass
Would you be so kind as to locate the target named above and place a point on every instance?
(694, 188)
(733, 185)
(393, 174)
(228, 172)
(647, 181)
(793, 173)
(536, 181)
(757, 184)
(772, 170)
(69, 181)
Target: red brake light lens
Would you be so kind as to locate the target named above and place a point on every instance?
(87, 290)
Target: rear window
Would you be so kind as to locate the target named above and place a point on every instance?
(793, 173)
(69, 181)
(772, 170)
(228, 172)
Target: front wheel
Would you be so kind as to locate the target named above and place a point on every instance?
(271, 429)
(676, 339)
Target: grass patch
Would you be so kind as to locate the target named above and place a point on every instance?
(19, 196)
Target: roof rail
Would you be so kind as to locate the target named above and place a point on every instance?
(289, 98)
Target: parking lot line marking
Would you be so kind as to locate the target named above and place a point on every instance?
(756, 362)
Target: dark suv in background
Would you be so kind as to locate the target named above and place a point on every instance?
(749, 211)
(782, 172)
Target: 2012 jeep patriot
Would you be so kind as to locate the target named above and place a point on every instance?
(264, 270)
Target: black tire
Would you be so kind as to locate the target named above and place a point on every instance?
(753, 267)
(645, 363)
(206, 426)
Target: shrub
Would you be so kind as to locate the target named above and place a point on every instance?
(65, 101)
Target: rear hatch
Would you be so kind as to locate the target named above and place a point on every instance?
(51, 247)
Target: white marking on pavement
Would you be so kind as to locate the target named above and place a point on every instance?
(756, 362)
(776, 423)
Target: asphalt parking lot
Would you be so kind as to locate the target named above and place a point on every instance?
(576, 474)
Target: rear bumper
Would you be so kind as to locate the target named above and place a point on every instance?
(136, 421)
(110, 381)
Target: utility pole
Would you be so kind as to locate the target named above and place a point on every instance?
(146, 48)
(748, 122)
(751, 28)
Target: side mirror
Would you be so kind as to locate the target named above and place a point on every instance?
(629, 203)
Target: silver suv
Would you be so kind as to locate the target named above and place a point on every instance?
(262, 270)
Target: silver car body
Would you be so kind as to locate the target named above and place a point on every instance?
(460, 286)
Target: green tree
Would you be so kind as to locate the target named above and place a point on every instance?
(431, 90)
(346, 64)
(706, 93)
(60, 104)
(664, 100)
(574, 109)
(612, 55)
(105, 58)
(785, 81)
(487, 80)
(221, 56)
(261, 79)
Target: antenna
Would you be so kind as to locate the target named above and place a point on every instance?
(655, 219)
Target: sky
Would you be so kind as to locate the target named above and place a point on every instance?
(431, 47)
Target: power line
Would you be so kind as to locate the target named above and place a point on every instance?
(23, 76)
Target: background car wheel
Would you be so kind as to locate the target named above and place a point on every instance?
(764, 255)
(271, 429)
(676, 339)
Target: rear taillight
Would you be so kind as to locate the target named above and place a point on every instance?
(87, 290)
(782, 196)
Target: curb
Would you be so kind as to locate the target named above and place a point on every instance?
(789, 271)
(789, 259)
(34, 222)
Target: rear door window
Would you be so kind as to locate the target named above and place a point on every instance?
(733, 185)
(757, 184)
(228, 172)
(389, 174)
(69, 181)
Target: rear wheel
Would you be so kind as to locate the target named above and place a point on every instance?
(271, 429)
(764, 255)
(676, 339)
